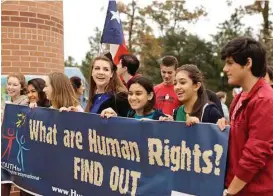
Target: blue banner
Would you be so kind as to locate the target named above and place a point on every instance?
(47, 152)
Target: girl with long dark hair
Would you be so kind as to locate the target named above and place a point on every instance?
(195, 106)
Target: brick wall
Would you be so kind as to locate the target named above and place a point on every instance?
(32, 37)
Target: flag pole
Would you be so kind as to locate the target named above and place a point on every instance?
(112, 34)
(100, 49)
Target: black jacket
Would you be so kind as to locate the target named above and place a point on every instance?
(156, 116)
(211, 114)
(214, 99)
(118, 102)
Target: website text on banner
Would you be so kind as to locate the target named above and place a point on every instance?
(48, 152)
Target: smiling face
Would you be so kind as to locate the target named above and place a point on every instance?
(184, 87)
(101, 73)
(48, 88)
(138, 97)
(32, 94)
(13, 87)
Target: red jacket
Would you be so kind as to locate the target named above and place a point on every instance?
(250, 155)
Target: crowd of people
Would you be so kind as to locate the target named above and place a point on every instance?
(117, 90)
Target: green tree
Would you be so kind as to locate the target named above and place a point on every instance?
(231, 28)
(172, 14)
(190, 49)
(167, 16)
(151, 51)
(263, 8)
(94, 42)
(134, 26)
(227, 30)
(70, 62)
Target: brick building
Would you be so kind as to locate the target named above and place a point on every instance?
(32, 38)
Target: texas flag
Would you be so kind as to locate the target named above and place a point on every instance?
(112, 32)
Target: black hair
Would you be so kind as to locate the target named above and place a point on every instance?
(196, 76)
(131, 62)
(76, 82)
(109, 56)
(242, 48)
(213, 98)
(148, 86)
(39, 85)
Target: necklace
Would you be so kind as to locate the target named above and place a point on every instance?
(100, 96)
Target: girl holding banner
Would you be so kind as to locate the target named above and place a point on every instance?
(106, 89)
(16, 89)
(35, 93)
(141, 98)
(60, 92)
(191, 92)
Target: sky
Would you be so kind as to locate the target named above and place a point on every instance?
(81, 17)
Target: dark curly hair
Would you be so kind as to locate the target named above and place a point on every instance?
(39, 85)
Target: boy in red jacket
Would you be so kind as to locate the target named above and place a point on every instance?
(250, 154)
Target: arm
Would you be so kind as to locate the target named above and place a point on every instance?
(25, 148)
(259, 146)
(236, 185)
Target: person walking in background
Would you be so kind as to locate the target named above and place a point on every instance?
(223, 97)
(214, 99)
(78, 87)
(127, 68)
(166, 99)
